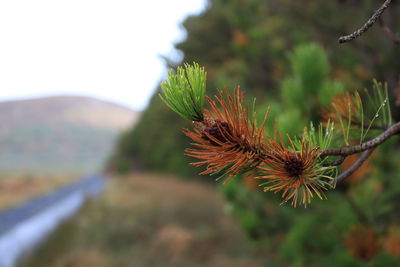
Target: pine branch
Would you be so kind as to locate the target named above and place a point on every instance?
(355, 166)
(337, 162)
(371, 21)
(349, 150)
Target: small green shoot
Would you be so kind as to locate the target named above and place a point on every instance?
(184, 91)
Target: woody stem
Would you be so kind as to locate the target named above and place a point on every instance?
(349, 150)
(371, 21)
(355, 166)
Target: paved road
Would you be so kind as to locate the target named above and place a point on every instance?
(89, 185)
(24, 227)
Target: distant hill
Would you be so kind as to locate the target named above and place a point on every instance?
(63, 133)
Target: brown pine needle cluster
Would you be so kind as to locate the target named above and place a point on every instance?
(227, 140)
(295, 174)
(344, 108)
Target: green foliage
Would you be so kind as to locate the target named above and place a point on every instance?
(256, 216)
(184, 91)
(302, 91)
(329, 89)
(383, 260)
(321, 137)
(378, 105)
(310, 67)
(316, 237)
(152, 145)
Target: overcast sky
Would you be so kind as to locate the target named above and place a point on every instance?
(108, 49)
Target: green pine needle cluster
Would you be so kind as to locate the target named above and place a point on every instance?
(184, 91)
(318, 137)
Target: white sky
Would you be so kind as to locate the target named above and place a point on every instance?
(108, 49)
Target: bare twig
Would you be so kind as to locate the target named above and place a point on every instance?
(367, 25)
(394, 37)
(349, 150)
(355, 166)
(337, 162)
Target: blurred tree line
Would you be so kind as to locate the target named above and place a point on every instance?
(285, 53)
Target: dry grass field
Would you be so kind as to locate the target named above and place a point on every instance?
(149, 220)
(18, 188)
